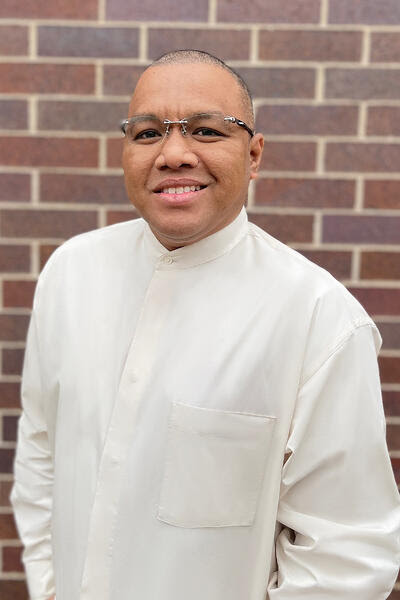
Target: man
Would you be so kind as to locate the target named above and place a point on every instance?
(202, 413)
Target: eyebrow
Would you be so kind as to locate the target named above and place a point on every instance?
(194, 114)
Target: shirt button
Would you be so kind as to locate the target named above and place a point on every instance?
(167, 260)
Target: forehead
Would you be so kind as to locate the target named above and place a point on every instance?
(175, 91)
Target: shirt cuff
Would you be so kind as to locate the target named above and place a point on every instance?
(40, 579)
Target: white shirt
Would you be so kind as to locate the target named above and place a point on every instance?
(162, 393)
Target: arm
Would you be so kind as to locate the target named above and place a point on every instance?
(31, 496)
(339, 505)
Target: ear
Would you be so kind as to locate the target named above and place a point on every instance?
(256, 150)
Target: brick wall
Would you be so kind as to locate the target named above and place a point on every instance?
(326, 79)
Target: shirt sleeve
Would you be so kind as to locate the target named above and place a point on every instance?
(31, 496)
(339, 506)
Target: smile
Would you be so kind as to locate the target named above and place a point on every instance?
(182, 190)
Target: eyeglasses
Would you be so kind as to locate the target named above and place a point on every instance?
(203, 127)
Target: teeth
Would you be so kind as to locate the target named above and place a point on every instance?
(181, 190)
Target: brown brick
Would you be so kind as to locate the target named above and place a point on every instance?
(363, 83)
(273, 11)
(49, 152)
(361, 229)
(15, 187)
(394, 595)
(287, 228)
(310, 45)
(45, 251)
(137, 10)
(378, 301)
(5, 491)
(109, 42)
(371, 12)
(289, 156)
(393, 436)
(390, 332)
(6, 466)
(12, 361)
(389, 368)
(34, 223)
(38, 78)
(227, 44)
(43, 9)
(9, 392)
(99, 189)
(307, 120)
(14, 258)
(121, 79)
(10, 425)
(13, 114)
(13, 590)
(18, 294)
(114, 153)
(81, 116)
(385, 47)
(382, 194)
(383, 120)
(309, 193)
(12, 559)
(391, 403)
(380, 265)
(363, 157)
(338, 263)
(13, 40)
(118, 216)
(13, 328)
(279, 82)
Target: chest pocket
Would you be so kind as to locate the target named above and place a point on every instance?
(214, 466)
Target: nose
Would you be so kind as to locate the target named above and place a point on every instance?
(176, 151)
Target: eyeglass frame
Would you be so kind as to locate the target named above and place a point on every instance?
(184, 121)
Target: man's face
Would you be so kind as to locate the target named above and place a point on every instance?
(156, 167)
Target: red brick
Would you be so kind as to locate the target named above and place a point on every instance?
(363, 158)
(227, 44)
(12, 361)
(338, 263)
(396, 469)
(13, 590)
(391, 402)
(279, 82)
(13, 114)
(287, 228)
(45, 251)
(380, 265)
(49, 151)
(385, 47)
(34, 223)
(393, 436)
(5, 491)
(14, 258)
(15, 187)
(137, 10)
(10, 424)
(383, 120)
(289, 156)
(13, 328)
(18, 293)
(99, 189)
(9, 392)
(81, 116)
(43, 9)
(310, 45)
(273, 11)
(382, 194)
(40, 78)
(114, 152)
(121, 80)
(389, 368)
(12, 559)
(378, 301)
(13, 40)
(307, 120)
(118, 216)
(6, 466)
(309, 193)
(371, 12)
(361, 229)
(390, 332)
(363, 83)
(109, 42)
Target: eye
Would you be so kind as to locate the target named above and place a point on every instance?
(207, 132)
(147, 135)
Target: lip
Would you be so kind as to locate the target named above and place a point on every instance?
(180, 199)
(181, 182)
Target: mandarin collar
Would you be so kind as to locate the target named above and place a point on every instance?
(204, 250)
